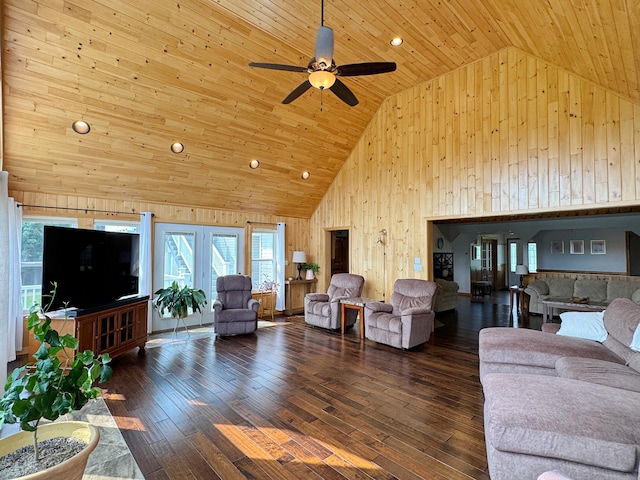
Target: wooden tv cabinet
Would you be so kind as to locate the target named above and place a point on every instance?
(114, 330)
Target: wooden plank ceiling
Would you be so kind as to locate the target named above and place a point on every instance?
(146, 73)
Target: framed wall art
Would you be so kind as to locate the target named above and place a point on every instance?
(598, 247)
(557, 246)
(576, 247)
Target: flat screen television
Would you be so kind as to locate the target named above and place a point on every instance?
(92, 268)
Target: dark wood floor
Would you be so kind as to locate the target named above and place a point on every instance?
(294, 402)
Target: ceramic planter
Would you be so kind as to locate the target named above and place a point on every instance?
(71, 469)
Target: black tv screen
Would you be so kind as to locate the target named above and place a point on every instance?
(92, 268)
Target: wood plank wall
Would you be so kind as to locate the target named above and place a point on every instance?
(505, 135)
(296, 230)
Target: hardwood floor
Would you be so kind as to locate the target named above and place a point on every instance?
(295, 402)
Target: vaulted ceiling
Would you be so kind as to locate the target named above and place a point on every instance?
(147, 73)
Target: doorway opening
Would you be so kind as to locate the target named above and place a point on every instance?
(339, 251)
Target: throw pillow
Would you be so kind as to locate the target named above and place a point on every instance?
(635, 296)
(589, 325)
(635, 343)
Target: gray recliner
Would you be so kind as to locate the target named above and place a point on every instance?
(324, 309)
(235, 311)
(407, 320)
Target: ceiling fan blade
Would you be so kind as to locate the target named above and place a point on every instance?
(343, 93)
(299, 90)
(368, 68)
(278, 66)
(324, 47)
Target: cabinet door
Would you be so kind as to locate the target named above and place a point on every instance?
(140, 332)
(107, 335)
(85, 333)
(126, 325)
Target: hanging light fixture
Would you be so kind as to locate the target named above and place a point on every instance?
(322, 79)
(81, 127)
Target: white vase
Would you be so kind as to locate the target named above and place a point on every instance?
(310, 275)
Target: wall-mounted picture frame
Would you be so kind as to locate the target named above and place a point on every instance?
(557, 246)
(576, 247)
(598, 247)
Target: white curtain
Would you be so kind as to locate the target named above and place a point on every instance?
(280, 265)
(15, 285)
(146, 262)
(4, 276)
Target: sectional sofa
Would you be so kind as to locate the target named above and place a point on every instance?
(597, 290)
(555, 402)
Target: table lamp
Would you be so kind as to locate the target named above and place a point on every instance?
(299, 258)
(522, 270)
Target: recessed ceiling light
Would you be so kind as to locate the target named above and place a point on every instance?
(254, 164)
(177, 147)
(81, 127)
(305, 175)
(396, 41)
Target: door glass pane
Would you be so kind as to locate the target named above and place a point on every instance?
(179, 259)
(224, 259)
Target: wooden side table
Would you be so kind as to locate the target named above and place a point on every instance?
(309, 286)
(517, 293)
(358, 304)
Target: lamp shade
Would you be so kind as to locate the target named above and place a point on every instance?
(522, 270)
(299, 257)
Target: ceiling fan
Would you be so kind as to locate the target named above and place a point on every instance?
(323, 70)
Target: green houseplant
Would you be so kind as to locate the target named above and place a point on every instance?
(177, 300)
(55, 384)
(311, 268)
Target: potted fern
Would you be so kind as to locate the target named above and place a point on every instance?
(178, 300)
(55, 384)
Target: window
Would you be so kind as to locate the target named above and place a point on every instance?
(513, 256)
(532, 250)
(117, 226)
(31, 255)
(263, 256)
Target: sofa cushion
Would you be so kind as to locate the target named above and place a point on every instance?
(621, 318)
(564, 419)
(531, 351)
(621, 289)
(560, 287)
(600, 372)
(594, 290)
(540, 287)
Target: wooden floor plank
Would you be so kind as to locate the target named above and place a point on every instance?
(293, 402)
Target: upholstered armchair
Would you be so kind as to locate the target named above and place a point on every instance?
(324, 309)
(235, 311)
(407, 320)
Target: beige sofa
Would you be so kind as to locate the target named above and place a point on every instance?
(597, 290)
(446, 295)
(563, 403)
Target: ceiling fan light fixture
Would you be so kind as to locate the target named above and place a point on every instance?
(396, 41)
(81, 127)
(322, 79)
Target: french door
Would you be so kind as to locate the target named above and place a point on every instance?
(196, 256)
